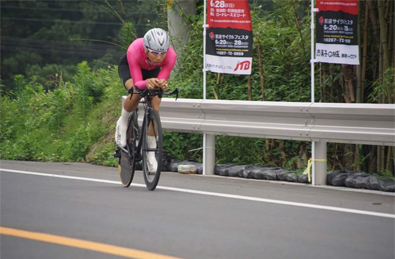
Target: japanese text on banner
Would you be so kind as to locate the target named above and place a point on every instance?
(337, 32)
(229, 37)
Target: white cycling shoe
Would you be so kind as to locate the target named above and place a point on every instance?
(152, 164)
(120, 133)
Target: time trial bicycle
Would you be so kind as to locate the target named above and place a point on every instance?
(137, 147)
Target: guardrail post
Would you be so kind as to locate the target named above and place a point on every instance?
(320, 163)
(208, 154)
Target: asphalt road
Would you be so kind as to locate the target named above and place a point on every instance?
(76, 210)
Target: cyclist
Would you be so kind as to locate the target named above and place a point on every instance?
(147, 64)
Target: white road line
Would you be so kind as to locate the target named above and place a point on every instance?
(222, 195)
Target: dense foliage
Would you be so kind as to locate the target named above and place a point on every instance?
(64, 124)
(54, 110)
(41, 38)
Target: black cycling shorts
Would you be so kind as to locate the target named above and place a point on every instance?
(124, 71)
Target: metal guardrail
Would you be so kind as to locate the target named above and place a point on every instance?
(372, 124)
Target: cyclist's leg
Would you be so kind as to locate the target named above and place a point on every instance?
(152, 136)
(124, 73)
(130, 104)
(156, 101)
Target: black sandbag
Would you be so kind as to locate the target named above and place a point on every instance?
(236, 170)
(302, 178)
(387, 185)
(247, 173)
(337, 178)
(362, 181)
(282, 175)
(222, 169)
(241, 172)
(166, 160)
(270, 173)
(374, 183)
(357, 180)
(254, 171)
(292, 177)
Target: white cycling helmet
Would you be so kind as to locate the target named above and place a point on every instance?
(157, 39)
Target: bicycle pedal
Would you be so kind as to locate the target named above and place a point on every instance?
(117, 153)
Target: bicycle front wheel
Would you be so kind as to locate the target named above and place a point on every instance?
(127, 161)
(152, 150)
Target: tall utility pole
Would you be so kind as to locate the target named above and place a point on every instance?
(178, 23)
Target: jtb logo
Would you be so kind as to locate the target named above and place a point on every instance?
(245, 65)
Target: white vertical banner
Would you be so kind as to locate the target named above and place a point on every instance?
(337, 32)
(228, 37)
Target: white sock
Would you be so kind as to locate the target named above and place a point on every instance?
(125, 116)
(151, 155)
(151, 142)
(122, 124)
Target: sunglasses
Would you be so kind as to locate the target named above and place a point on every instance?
(157, 53)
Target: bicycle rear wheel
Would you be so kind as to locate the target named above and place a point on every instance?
(152, 150)
(127, 161)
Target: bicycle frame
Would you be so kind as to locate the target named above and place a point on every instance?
(147, 110)
(144, 127)
(140, 144)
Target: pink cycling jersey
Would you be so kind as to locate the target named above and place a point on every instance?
(137, 59)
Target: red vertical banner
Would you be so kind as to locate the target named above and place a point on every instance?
(337, 32)
(229, 37)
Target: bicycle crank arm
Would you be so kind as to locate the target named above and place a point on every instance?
(124, 150)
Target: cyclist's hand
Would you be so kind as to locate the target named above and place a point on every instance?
(152, 83)
(163, 84)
